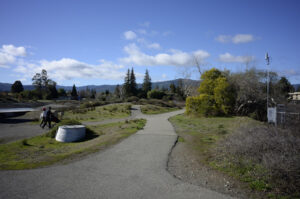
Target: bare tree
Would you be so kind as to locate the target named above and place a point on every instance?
(186, 72)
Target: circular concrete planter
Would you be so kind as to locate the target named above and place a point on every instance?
(70, 133)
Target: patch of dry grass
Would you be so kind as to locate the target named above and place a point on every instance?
(44, 150)
(153, 109)
(99, 113)
(266, 157)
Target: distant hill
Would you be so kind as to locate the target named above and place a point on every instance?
(102, 88)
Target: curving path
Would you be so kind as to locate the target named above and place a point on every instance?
(134, 168)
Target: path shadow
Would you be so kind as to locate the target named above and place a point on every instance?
(89, 135)
(14, 120)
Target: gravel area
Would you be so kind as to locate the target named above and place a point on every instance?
(184, 165)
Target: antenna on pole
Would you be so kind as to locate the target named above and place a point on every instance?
(268, 63)
(267, 58)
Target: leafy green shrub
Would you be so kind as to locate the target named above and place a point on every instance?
(216, 97)
(201, 105)
(29, 95)
(156, 94)
(53, 131)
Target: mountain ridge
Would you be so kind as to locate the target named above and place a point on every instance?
(101, 88)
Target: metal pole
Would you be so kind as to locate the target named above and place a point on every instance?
(268, 88)
(268, 62)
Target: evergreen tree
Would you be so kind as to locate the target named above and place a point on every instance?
(17, 87)
(173, 88)
(51, 92)
(284, 86)
(133, 85)
(93, 93)
(130, 86)
(117, 91)
(126, 86)
(147, 85)
(74, 94)
(62, 92)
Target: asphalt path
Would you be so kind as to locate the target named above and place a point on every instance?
(134, 168)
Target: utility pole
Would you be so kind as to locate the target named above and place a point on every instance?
(268, 63)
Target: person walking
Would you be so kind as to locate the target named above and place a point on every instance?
(43, 117)
(48, 118)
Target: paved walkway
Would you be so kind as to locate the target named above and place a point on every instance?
(134, 168)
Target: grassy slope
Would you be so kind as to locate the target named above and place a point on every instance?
(99, 113)
(202, 135)
(43, 150)
(206, 138)
(153, 109)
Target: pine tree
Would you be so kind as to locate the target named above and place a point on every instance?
(17, 87)
(147, 85)
(117, 91)
(173, 88)
(74, 94)
(133, 85)
(126, 86)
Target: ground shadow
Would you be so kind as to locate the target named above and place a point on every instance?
(89, 135)
(14, 120)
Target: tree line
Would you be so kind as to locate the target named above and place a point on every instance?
(45, 88)
(222, 93)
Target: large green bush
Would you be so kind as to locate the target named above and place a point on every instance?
(216, 96)
(200, 105)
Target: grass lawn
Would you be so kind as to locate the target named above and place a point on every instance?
(99, 113)
(153, 109)
(203, 133)
(43, 150)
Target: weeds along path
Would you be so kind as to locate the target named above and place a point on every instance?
(135, 113)
(134, 168)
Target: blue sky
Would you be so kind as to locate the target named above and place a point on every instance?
(95, 42)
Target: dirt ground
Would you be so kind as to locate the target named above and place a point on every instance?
(184, 165)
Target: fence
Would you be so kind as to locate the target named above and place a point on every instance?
(287, 118)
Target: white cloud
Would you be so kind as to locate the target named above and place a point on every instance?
(242, 38)
(9, 54)
(154, 46)
(6, 59)
(223, 38)
(129, 35)
(236, 39)
(21, 69)
(175, 58)
(228, 58)
(289, 72)
(14, 51)
(164, 76)
(67, 68)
